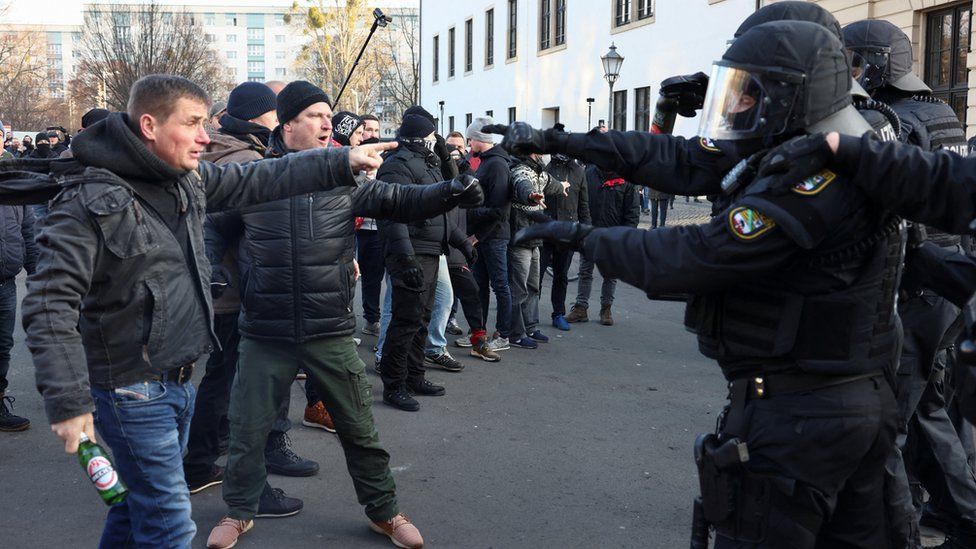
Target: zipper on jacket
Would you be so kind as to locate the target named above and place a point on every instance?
(295, 264)
(311, 231)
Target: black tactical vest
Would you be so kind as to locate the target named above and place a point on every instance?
(831, 313)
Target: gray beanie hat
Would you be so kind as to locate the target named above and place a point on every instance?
(474, 130)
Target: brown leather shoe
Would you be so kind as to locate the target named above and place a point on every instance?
(605, 317)
(577, 314)
(226, 533)
(318, 417)
(400, 530)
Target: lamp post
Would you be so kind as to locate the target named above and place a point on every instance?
(611, 71)
(589, 113)
(441, 105)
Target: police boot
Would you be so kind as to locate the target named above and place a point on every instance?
(605, 317)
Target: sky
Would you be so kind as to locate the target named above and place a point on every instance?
(68, 12)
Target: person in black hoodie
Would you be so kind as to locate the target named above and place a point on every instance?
(119, 308)
(412, 257)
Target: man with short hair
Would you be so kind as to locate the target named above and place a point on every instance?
(216, 111)
(119, 309)
(371, 128)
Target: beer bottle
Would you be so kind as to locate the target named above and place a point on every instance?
(101, 472)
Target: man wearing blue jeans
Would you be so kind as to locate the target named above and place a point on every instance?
(119, 310)
(436, 353)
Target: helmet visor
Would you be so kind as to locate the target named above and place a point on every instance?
(733, 104)
(869, 65)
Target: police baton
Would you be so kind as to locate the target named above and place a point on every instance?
(379, 20)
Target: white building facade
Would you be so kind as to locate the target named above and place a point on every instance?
(539, 60)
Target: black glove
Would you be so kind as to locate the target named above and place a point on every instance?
(797, 159)
(406, 273)
(470, 253)
(520, 138)
(219, 280)
(688, 90)
(563, 233)
(441, 148)
(466, 190)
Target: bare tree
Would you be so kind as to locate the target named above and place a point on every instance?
(399, 49)
(23, 99)
(335, 31)
(129, 41)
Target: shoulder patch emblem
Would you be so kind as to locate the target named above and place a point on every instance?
(815, 183)
(748, 224)
(708, 145)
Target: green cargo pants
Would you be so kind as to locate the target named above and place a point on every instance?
(265, 372)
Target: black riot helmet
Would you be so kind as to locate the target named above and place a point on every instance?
(881, 56)
(791, 10)
(777, 80)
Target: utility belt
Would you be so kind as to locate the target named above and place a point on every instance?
(735, 500)
(177, 375)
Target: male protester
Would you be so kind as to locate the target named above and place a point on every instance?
(614, 202)
(371, 128)
(245, 129)
(574, 206)
(369, 249)
(119, 309)
(347, 129)
(218, 109)
(17, 251)
(298, 281)
(414, 252)
(275, 85)
(490, 226)
(88, 120)
(4, 153)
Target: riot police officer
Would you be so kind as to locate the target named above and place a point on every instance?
(935, 456)
(793, 295)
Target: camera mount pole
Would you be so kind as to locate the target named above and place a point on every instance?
(379, 20)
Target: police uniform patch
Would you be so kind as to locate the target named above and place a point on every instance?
(748, 224)
(708, 145)
(815, 183)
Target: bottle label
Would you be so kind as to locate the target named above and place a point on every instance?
(102, 474)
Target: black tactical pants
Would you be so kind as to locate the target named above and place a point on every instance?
(817, 468)
(406, 337)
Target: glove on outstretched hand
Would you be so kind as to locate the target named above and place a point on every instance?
(797, 159)
(688, 90)
(466, 189)
(563, 233)
(520, 138)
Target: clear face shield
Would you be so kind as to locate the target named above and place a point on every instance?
(737, 106)
(869, 66)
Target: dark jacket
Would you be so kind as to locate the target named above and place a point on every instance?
(17, 248)
(117, 297)
(296, 270)
(611, 205)
(412, 164)
(575, 206)
(494, 174)
(530, 176)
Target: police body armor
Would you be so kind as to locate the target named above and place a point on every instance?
(832, 313)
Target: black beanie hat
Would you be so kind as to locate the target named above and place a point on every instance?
(344, 123)
(417, 109)
(42, 136)
(250, 100)
(93, 116)
(296, 97)
(415, 126)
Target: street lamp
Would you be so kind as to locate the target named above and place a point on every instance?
(589, 113)
(441, 119)
(611, 71)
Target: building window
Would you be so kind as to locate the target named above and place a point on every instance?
(560, 23)
(255, 66)
(468, 46)
(642, 109)
(437, 58)
(230, 19)
(255, 50)
(512, 29)
(490, 113)
(645, 9)
(626, 12)
(279, 19)
(511, 115)
(489, 37)
(545, 24)
(450, 124)
(621, 12)
(450, 52)
(209, 19)
(255, 33)
(279, 39)
(467, 120)
(231, 54)
(947, 43)
(209, 38)
(280, 55)
(620, 110)
(255, 79)
(280, 72)
(231, 38)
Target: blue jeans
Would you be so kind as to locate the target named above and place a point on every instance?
(492, 269)
(385, 314)
(443, 302)
(147, 425)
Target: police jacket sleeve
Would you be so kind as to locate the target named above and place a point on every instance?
(27, 229)
(949, 274)
(402, 203)
(67, 249)
(676, 165)
(237, 185)
(934, 188)
(686, 259)
(220, 229)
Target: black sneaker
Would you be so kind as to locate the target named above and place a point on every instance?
(453, 328)
(9, 422)
(198, 484)
(398, 398)
(275, 504)
(371, 328)
(426, 388)
(444, 361)
(281, 460)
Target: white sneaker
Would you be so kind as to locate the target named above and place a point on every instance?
(463, 342)
(499, 344)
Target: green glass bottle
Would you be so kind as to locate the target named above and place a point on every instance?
(101, 472)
